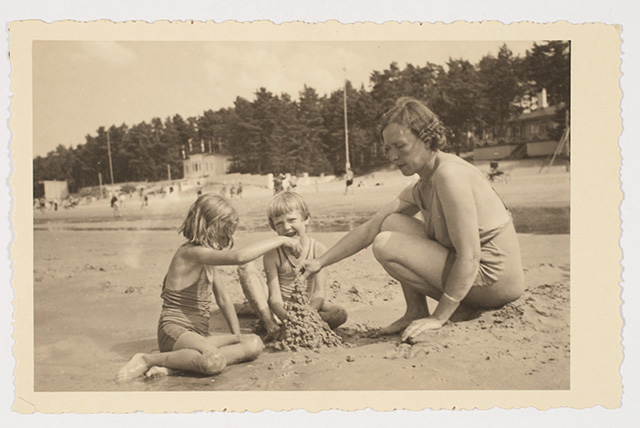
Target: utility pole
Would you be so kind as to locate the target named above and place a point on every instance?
(346, 128)
(109, 150)
(169, 171)
(100, 181)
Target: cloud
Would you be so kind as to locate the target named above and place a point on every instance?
(242, 66)
(279, 69)
(108, 52)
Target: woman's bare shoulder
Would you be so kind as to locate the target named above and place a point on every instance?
(456, 170)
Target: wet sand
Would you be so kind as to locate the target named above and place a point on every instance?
(97, 300)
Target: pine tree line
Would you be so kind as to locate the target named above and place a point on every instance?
(274, 133)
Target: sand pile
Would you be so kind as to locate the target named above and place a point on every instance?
(304, 328)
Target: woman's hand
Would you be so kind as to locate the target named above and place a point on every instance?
(417, 327)
(307, 268)
(294, 246)
(275, 332)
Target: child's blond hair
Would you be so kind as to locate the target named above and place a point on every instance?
(211, 222)
(284, 203)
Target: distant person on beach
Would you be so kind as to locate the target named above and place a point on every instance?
(293, 182)
(145, 202)
(277, 183)
(288, 216)
(494, 171)
(187, 291)
(239, 191)
(232, 191)
(43, 204)
(115, 204)
(465, 254)
(348, 178)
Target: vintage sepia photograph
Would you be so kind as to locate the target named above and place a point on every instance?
(179, 187)
(299, 215)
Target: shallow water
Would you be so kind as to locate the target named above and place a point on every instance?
(538, 220)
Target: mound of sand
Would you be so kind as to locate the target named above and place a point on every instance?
(304, 328)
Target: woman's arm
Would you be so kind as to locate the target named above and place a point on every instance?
(360, 237)
(275, 296)
(226, 305)
(319, 292)
(209, 256)
(455, 193)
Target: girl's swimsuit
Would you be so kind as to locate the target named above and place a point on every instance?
(500, 253)
(185, 310)
(287, 270)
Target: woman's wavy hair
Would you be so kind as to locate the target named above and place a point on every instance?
(211, 222)
(419, 119)
(285, 202)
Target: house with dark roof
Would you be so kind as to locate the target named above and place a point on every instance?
(526, 135)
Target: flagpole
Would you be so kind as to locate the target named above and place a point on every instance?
(346, 128)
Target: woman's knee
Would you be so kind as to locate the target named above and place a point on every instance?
(380, 246)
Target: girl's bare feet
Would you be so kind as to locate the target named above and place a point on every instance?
(157, 371)
(137, 366)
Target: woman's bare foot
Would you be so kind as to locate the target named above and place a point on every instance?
(137, 366)
(465, 313)
(400, 324)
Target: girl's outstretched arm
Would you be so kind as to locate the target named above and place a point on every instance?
(208, 256)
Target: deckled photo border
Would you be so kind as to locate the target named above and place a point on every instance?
(596, 351)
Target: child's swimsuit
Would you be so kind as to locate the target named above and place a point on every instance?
(185, 310)
(500, 254)
(333, 315)
(287, 270)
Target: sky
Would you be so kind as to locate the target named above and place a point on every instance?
(79, 86)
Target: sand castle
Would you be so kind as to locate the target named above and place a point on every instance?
(304, 328)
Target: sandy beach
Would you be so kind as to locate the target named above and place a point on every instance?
(97, 299)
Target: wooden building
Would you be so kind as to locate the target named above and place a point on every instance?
(526, 135)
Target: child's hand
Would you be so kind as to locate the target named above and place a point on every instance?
(417, 327)
(294, 246)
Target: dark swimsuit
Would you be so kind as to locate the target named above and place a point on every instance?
(185, 310)
(500, 255)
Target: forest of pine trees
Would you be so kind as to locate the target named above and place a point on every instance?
(275, 133)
